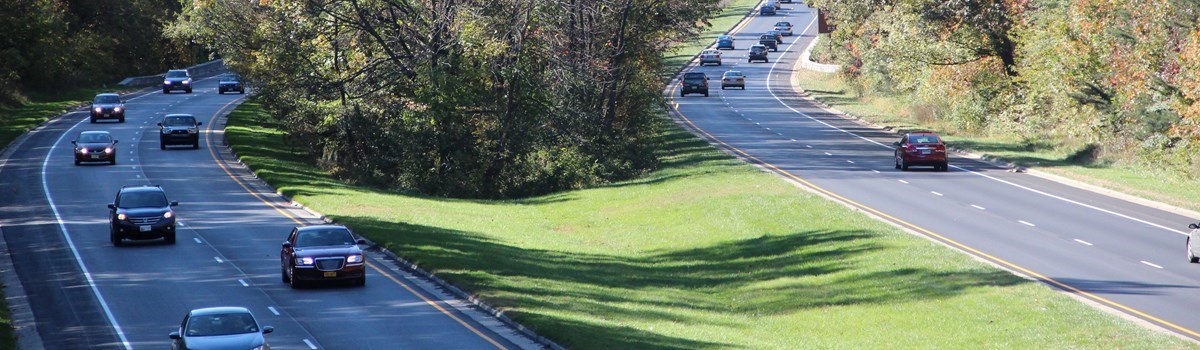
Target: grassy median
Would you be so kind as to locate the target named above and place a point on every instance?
(707, 252)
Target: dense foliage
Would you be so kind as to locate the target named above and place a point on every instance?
(46, 45)
(494, 99)
(1113, 81)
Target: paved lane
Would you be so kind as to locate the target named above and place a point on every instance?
(88, 294)
(1125, 256)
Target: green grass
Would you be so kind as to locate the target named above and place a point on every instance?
(706, 252)
(1154, 184)
(17, 119)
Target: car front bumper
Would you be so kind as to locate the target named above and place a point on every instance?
(130, 230)
(95, 156)
(309, 273)
(179, 139)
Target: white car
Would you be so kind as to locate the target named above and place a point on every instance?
(710, 56)
(1191, 254)
(784, 28)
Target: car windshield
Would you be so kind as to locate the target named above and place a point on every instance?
(221, 324)
(767, 36)
(107, 99)
(318, 238)
(143, 199)
(179, 121)
(231, 77)
(923, 139)
(94, 138)
(176, 74)
(783, 24)
(733, 74)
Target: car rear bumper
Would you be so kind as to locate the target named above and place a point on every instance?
(931, 159)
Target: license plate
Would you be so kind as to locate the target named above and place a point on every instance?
(106, 115)
(95, 156)
(925, 151)
(331, 274)
(144, 228)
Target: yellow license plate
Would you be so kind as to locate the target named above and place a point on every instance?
(331, 274)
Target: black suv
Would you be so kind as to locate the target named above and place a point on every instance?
(141, 212)
(177, 79)
(694, 83)
(179, 129)
(769, 41)
(108, 106)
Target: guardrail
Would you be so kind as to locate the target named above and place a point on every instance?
(206, 69)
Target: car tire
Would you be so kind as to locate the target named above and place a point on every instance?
(113, 161)
(115, 239)
(945, 167)
(283, 275)
(166, 91)
(162, 145)
(293, 282)
(682, 94)
(196, 145)
(1192, 258)
(242, 91)
(722, 87)
(76, 161)
(361, 281)
(170, 238)
(93, 120)
(189, 91)
(220, 92)
(121, 119)
(706, 94)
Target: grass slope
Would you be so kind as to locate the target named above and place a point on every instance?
(707, 252)
(1154, 184)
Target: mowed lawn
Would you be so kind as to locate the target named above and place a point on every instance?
(707, 252)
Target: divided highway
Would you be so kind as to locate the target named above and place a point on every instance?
(88, 294)
(1125, 256)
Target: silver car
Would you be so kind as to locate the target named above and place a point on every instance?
(710, 56)
(220, 328)
(784, 28)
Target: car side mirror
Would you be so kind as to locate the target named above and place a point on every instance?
(74, 143)
(287, 244)
(174, 204)
(199, 123)
(159, 124)
(175, 335)
(360, 241)
(268, 329)
(1193, 226)
(896, 144)
(122, 101)
(115, 141)
(114, 206)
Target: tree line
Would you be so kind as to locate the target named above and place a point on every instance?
(52, 45)
(462, 98)
(1112, 81)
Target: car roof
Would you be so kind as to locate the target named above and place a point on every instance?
(320, 227)
(179, 115)
(923, 133)
(178, 70)
(762, 46)
(784, 22)
(219, 310)
(711, 50)
(725, 36)
(94, 132)
(107, 94)
(141, 188)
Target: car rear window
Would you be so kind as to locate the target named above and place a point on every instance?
(923, 139)
(691, 76)
(733, 74)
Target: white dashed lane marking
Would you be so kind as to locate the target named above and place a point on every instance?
(198, 241)
(876, 171)
(978, 207)
(903, 182)
(1082, 241)
(1026, 223)
(828, 154)
(243, 282)
(310, 344)
(937, 194)
(1151, 264)
(850, 161)
(218, 259)
(272, 308)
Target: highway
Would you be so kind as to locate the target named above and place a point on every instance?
(1124, 256)
(88, 294)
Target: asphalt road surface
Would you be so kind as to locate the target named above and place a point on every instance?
(1125, 256)
(88, 294)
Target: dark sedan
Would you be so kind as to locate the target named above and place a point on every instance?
(177, 79)
(108, 106)
(231, 83)
(220, 328)
(322, 253)
(95, 146)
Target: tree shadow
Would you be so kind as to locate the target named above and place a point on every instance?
(770, 274)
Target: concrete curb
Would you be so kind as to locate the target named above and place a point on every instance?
(806, 61)
(401, 262)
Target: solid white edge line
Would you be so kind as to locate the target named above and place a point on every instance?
(772, 92)
(310, 344)
(1151, 264)
(1082, 241)
(1026, 223)
(273, 310)
(71, 243)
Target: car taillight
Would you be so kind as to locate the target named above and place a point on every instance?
(940, 149)
(910, 147)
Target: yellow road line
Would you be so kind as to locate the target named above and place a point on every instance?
(212, 152)
(929, 233)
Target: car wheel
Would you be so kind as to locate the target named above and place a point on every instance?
(945, 167)
(682, 94)
(196, 145)
(121, 119)
(706, 94)
(292, 281)
(242, 91)
(76, 161)
(170, 238)
(93, 120)
(718, 63)
(166, 91)
(189, 91)
(220, 92)
(361, 281)
(283, 275)
(722, 87)
(113, 161)
(115, 238)
(897, 161)
(1192, 258)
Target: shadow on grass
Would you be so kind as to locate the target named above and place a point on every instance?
(1028, 153)
(724, 280)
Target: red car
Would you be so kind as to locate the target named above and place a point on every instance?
(322, 253)
(921, 148)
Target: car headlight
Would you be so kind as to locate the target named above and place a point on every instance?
(108, 150)
(117, 109)
(97, 109)
(166, 82)
(354, 259)
(168, 215)
(304, 261)
(83, 150)
(185, 82)
(121, 216)
(193, 131)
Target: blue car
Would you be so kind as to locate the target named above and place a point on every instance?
(725, 42)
